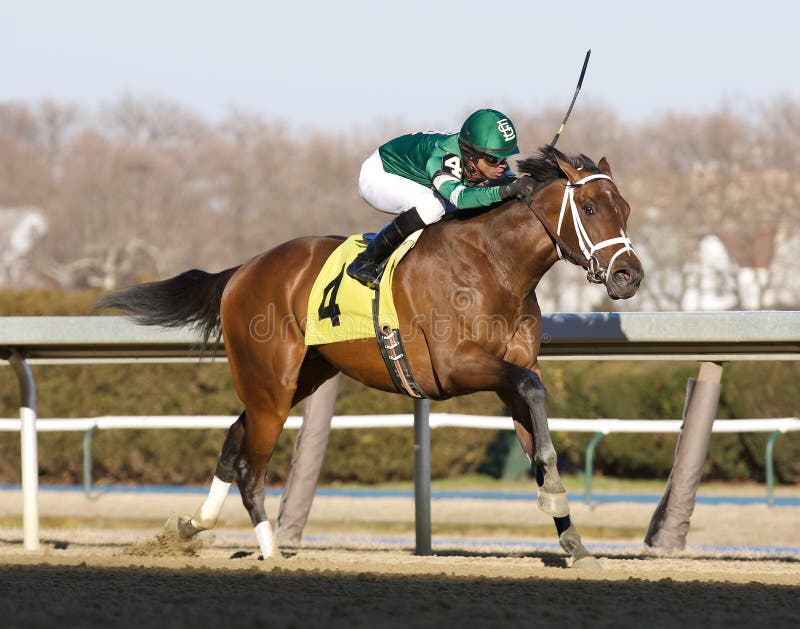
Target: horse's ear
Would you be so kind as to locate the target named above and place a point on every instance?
(569, 170)
(605, 167)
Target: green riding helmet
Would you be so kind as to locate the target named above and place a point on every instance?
(489, 132)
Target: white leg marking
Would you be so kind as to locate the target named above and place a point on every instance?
(206, 516)
(265, 539)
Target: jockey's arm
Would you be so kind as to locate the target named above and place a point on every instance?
(446, 179)
(462, 196)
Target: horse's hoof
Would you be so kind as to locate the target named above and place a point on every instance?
(587, 563)
(186, 528)
(581, 558)
(180, 527)
(554, 504)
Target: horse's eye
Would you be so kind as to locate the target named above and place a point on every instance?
(588, 208)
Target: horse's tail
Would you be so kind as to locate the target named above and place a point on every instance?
(189, 299)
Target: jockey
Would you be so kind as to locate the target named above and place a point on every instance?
(421, 176)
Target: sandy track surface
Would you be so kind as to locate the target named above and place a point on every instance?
(723, 525)
(494, 564)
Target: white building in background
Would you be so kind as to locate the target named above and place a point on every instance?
(710, 285)
(712, 279)
(784, 286)
(723, 283)
(20, 228)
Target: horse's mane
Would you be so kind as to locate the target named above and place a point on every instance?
(543, 168)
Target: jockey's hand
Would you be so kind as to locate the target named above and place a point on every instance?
(519, 188)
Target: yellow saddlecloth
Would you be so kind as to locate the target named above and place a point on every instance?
(354, 300)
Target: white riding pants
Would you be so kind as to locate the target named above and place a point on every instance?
(395, 194)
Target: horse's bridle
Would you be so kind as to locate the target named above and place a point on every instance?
(595, 272)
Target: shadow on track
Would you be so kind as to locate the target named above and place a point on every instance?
(136, 597)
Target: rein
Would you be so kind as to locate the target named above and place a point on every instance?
(595, 272)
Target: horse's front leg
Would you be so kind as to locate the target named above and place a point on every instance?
(528, 387)
(527, 403)
(478, 370)
(523, 391)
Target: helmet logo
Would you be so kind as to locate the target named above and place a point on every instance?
(504, 127)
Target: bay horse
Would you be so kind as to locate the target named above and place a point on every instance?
(466, 302)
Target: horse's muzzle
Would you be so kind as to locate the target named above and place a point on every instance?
(624, 282)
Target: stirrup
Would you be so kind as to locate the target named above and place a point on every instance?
(366, 273)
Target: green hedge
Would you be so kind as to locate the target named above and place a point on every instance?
(575, 389)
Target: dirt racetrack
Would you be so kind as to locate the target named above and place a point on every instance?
(495, 564)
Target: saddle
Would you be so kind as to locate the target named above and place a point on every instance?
(342, 309)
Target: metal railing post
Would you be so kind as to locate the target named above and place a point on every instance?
(587, 477)
(770, 466)
(87, 462)
(29, 450)
(422, 476)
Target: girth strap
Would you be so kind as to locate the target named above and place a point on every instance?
(394, 355)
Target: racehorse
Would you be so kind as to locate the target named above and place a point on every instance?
(466, 302)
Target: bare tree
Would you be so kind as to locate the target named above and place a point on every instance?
(146, 188)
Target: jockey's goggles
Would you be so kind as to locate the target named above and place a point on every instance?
(492, 160)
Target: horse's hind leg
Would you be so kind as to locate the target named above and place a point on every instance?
(264, 425)
(538, 445)
(265, 376)
(207, 514)
(314, 371)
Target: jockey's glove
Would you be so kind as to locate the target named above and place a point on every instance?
(519, 188)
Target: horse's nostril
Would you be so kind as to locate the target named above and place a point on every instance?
(623, 276)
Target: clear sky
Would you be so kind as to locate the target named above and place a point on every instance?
(342, 65)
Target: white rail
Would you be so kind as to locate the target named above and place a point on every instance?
(437, 420)
(600, 428)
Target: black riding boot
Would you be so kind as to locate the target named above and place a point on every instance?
(368, 265)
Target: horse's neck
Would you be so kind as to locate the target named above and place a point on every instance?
(517, 244)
